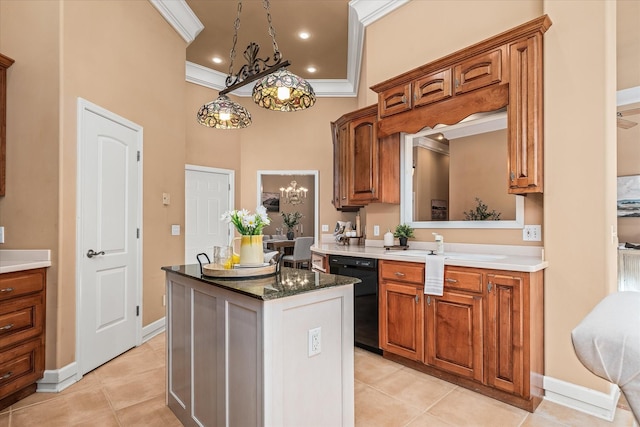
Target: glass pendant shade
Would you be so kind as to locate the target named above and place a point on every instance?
(271, 92)
(223, 113)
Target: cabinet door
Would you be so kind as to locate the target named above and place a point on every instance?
(479, 71)
(395, 100)
(432, 88)
(505, 360)
(401, 320)
(525, 117)
(364, 162)
(453, 333)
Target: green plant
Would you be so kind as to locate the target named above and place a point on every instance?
(403, 230)
(246, 223)
(291, 219)
(481, 213)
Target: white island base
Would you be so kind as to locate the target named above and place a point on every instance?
(239, 360)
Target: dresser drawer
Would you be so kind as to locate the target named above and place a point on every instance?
(402, 271)
(462, 279)
(21, 366)
(21, 283)
(21, 319)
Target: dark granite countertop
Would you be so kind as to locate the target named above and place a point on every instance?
(288, 282)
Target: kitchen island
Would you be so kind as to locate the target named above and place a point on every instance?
(270, 351)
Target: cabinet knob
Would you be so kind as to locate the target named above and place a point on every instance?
(7, 375)
(489, 286)
(428, 299)
(404, 99)
(417, 299)
(6, 290)
(449, 280)
(6, 327)
(399, 274)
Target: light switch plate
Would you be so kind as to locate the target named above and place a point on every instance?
(1, 234)
(166, 199)
(175, 230)
(325, 227)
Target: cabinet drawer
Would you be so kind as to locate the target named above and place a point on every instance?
(402, 271)
(466, 280)
(21, 319)
(479, 71)
(21, 283)
(21, 366)
(395, 100)
(432, 88)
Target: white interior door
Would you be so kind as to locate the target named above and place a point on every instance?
(208, 194)
(109, 210)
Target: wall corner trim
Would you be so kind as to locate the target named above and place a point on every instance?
(589, 401)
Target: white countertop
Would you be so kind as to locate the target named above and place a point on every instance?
(497, 257)
(23, 259)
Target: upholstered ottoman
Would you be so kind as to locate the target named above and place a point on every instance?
(607, 342)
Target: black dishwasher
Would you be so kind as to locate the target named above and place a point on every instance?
(365, 297)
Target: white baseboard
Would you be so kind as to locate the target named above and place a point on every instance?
(153, 329)
(56, 380)
(592, 402)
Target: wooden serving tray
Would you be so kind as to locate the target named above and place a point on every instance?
(212, 270)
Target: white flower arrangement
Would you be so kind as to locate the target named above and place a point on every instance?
(246, 223)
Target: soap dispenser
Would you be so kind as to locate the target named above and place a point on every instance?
(439, 242)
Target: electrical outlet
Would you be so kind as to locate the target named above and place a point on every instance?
(315, 341)
(532, 233)
(325, 227)
(376, 230)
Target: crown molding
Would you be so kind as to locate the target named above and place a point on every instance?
(180, 16)
(361, 14)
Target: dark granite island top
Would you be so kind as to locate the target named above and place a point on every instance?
(288, 282)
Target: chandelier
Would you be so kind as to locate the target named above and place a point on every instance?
(293, 194)
(277, 89)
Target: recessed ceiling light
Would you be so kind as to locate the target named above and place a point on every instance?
(303, 35)
(311, 69)
(217, 59)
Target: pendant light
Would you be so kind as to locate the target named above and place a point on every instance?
(278, 89)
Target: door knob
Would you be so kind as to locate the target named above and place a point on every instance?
(92, 253)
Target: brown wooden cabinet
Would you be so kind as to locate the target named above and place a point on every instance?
(454, 325)
(400, 308)
(22, 327)
(5, 62)
(485, 332)
(365, 169)
(503, 71)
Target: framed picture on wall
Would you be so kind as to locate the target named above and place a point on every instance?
(439, 211)
(629, 196)
(271, 201)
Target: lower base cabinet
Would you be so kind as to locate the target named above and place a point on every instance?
(22, 330)
(485, 332)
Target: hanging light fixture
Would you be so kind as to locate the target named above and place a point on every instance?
(294, 194)
(278, 88)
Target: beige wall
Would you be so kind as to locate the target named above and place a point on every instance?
(107, 53)
(30, 209)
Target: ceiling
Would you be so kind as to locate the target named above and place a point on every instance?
(326, 22)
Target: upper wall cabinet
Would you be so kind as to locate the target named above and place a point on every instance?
(5, 62)
(358, 156)
(503, 71)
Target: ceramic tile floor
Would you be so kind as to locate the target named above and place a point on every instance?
(129, 391)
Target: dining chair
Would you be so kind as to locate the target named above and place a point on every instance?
(301, 253)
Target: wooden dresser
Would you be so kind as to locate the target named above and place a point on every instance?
(22, 327)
